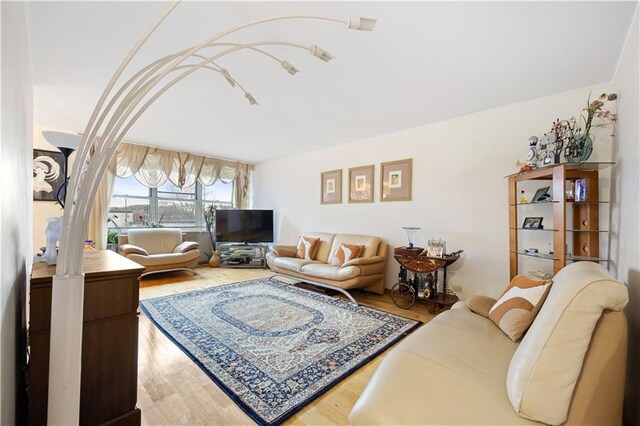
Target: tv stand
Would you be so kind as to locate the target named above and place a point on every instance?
(243, 255)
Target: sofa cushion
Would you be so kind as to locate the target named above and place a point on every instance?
(518, 306)
(324, 246)
(155, 240)
(307, 248)
(462, 355)
(369, 243)
(549, 359)
(165, 259)
(330, 272)
(291, 263)
(346, 253)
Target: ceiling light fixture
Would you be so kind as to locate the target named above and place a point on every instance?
(111, 119)
(321, 53)
(290, 68)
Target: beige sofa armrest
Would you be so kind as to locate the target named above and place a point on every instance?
(364, 261)
(284, 251)
(186, 246)
(126, 249)
(481, 305)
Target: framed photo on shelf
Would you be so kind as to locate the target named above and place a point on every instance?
(331, 187)
(532, 223)
(395, 180)
(580, 194)
(539, 196)
(361, 184)
(435, 248)
(48, 174)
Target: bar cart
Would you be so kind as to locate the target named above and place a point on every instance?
(422, 283)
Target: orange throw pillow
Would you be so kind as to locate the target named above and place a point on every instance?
(345, 253)
(307, 248)
(518, 306)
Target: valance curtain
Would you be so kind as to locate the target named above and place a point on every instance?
(152, 167)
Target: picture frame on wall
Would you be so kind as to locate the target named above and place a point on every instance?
(361, 184)
(331, 187)
(48, 174)
(395, 180)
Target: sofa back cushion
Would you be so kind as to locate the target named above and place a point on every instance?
(324, 245)
(155, 240)
(545, 367)
(369, 243)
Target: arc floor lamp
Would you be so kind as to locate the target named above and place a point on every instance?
(112, 117)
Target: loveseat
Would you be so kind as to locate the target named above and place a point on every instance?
(159, 249)
(365, 272)
(460, 368)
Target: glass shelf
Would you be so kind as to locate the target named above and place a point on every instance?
(568, 258)
(590, 166)
(556, 202)
(538, 255)
(556, 230)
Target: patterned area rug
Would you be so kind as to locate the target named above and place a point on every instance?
(273, 347)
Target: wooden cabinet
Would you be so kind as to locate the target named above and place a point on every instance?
(108, 391)
(575, 231)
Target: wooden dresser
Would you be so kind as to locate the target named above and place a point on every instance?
(109, 341)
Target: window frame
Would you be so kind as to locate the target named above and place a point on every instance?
(154, 197)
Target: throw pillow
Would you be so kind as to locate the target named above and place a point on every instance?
(518, 306)
(307, 248)
(345, 253)
(481, 305)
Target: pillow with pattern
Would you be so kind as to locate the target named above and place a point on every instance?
(518, 306)
(307, 248)
(345, 253)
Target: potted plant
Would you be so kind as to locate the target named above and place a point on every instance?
(209, 213)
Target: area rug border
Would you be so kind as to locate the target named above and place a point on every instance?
(245, 407)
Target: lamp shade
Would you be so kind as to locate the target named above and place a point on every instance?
(62, 139)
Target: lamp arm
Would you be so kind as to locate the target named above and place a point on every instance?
(110, 146)
(83, 154)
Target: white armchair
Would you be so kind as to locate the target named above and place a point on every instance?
(159, 249)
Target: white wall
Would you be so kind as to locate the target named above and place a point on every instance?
(15, 199)
(626, 221)
(459, 190)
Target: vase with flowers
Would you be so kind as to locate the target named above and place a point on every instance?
(579, 147)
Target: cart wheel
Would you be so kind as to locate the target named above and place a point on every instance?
(403, 295)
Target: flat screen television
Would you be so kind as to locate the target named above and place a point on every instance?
(244, 226)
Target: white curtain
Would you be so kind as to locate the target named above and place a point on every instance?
(152, 167)
(97, 228)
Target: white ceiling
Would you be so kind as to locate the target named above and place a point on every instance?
(424, 62)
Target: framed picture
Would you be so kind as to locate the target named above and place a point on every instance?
(435, 248)
(361, 184)
(331, 187)
(539, 196)
(395, 180)
(48, 174)
(532, 223)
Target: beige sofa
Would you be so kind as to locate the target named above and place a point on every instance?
(366, 272)
(461, 369)
(159, 249)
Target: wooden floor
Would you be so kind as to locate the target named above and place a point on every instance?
(172, 390)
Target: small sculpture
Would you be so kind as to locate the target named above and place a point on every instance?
(53, 233)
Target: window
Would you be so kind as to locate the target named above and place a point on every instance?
(134, 205)
(176, 207)
(129, 207)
